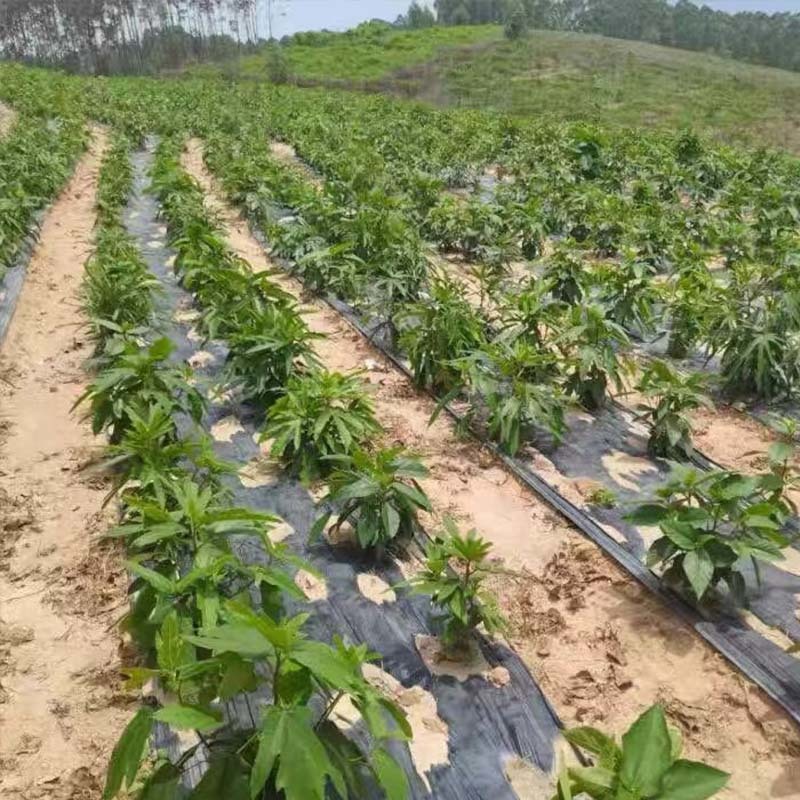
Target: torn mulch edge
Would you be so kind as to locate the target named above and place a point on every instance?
(12, 282)
(465, 730)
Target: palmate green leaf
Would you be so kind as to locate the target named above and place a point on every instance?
(699, 569)
(128, 753)
(646, 753)
(345, 756)
(186, 718)
(226, 778)
(691, 780)
(289, 747)
(238, 676)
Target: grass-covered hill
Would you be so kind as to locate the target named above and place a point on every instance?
(564, 75)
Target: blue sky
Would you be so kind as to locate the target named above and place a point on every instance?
(303, 15)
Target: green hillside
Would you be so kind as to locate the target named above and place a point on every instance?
(567, 76)
(371, 51)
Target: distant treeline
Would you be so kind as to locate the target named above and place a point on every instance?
(771, 39)
(112, 36)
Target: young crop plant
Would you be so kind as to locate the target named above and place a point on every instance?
(513, 383)
(646, 766)
(378, 494)
(321, 414)
(782, 462)
(36, 158)
(592, 346)
(295, 751)
(455, 570)
(118, 290)
(184, 565)
(275, 344)
(710, 522)
(628, 291)
(532, 313)
(152, 453)
(759, 341)
(668, 396)
(134, 378)
(437, 330)
(566, 275)
(691, 299)
(332, 268)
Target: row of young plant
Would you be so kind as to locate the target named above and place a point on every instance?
(376, 493)
(620, 209)
(519, 363)
(36, 157)
(639, 206)
(208, 625)
(647, 765)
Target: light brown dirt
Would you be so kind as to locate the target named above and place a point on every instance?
(287, 155)
(601, 646)
(61, 707)
(7, 118)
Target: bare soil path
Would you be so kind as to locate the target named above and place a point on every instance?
(61, 707)
(601, 646)
(7, 118)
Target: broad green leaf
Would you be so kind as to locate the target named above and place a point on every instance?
(646, 751)
(325, 663)
(691, 780)
(391, 520)
(155, 579)
(128, 753)
(187, 718)
(413, 494)
(780, 452)
(699, 569)
(684, 536)
(648, 514)
(592, 780)
(234, 638)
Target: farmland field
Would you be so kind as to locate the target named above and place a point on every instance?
(392, 439)
(561, 76)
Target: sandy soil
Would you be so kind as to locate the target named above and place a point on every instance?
(602, 647)
(7, 118)
(286, 154)
(61, 705)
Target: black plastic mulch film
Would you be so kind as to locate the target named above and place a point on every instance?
(12, 281)
(610, 441)
(486, 724)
